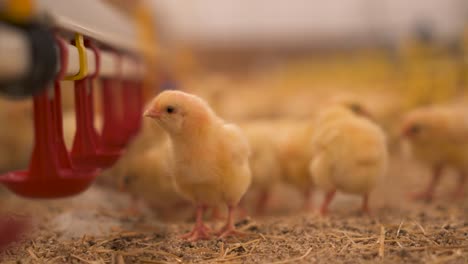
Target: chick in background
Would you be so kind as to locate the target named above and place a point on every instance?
(349, 155)
(292, 138)
(210, 156)
(264, 162)
(437, 136)
(126, 173)
(149, 178)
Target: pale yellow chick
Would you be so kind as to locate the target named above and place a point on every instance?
(264, 161)
(293, 138)
(211, 157)
(149, 177)
(149, 137)
(438, 136)
(349, 155)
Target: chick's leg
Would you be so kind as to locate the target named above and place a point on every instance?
(242, 209)
(326, 202)
(428, 194)
(200, 230)
(229, 229)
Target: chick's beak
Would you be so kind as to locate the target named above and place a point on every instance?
(152, 113)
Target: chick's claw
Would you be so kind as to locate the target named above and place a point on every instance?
(199, 232)
(230, 232)
(229, 229)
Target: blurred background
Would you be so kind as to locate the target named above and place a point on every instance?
(307, 24)
(413, 53)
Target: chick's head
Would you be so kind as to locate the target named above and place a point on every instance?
(177, 111)
(414, 130)
(334, 113)
(426, 126)
(358, 109)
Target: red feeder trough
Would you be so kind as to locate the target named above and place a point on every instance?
(88, 149)
(53, 171)
(118, 130)
(51, 174)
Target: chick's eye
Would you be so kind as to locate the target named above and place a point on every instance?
(170, 109)
(356, 108)
(415, 129)
(127, 180)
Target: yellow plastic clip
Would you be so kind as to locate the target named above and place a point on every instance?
(79, 43)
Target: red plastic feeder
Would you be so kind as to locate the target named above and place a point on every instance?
(53, 171)
(133, 106)
(88, 149)
(121, 122)
(51, 174)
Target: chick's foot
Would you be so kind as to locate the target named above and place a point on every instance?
(199, 232)
(229, 229)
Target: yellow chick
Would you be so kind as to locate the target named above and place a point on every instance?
(349, 155)
(292, 138)
(211, 157)
(438, 136)
(149, 137)
(149, 177)
(264, 161)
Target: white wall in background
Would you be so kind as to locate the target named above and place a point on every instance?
(233, 22)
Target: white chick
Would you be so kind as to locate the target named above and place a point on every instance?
(349, 154)
(211, 157)
(438, 137)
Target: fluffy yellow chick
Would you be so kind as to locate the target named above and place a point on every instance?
(349, 155)
(264, 161)
(211, 157)
(150, 136)
(293, 138)
(149, 177)
(438, 136)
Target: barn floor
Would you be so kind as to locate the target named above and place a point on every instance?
(95, 227)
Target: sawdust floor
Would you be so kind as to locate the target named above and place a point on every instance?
(94, 228)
